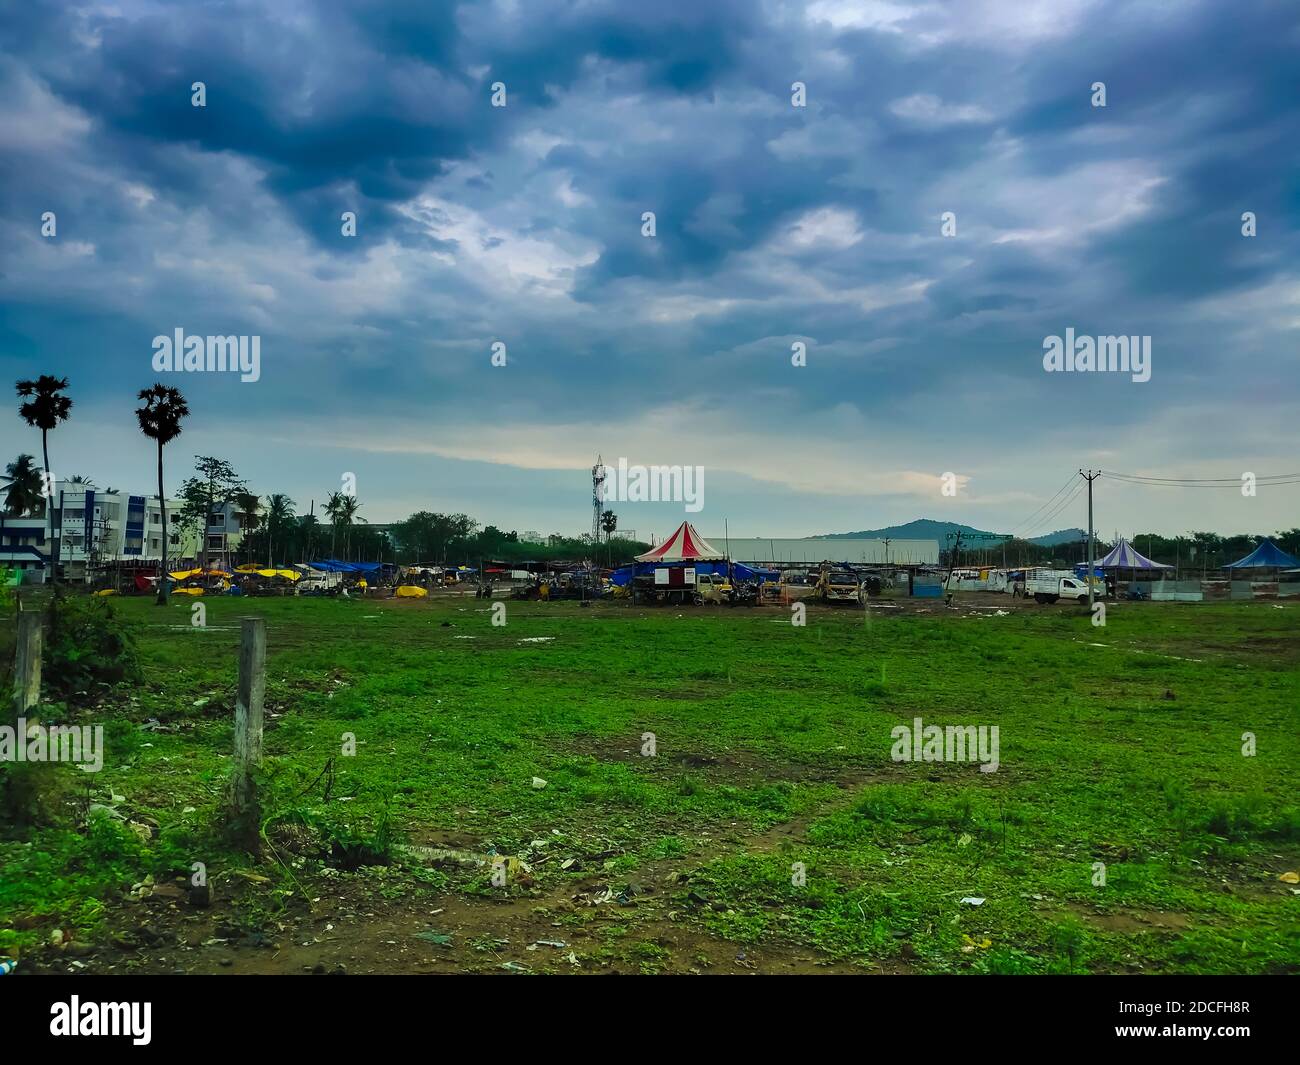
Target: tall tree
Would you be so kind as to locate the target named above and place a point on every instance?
(250, 506)
(279, 513)
(25, 488)
(45, 408)
(160, 420)
(307, 534)
(334, 509)
(216, 483)
(608, 523)
(347, 517)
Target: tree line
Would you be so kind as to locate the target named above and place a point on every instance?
(274, 533)
(1193, 552)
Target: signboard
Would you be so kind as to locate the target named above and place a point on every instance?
(675, 577)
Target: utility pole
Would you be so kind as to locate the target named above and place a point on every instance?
(1090, 476)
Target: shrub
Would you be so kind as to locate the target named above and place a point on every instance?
(89, 648)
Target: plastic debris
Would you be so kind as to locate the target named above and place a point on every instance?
(539, 783)
(971, 900)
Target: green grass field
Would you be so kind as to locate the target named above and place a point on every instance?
(1119, 745)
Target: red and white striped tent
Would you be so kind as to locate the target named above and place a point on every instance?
(685, 545)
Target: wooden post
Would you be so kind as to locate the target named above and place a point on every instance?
(245, 810)
(27, 663)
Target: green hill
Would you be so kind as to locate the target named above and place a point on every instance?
(929, 529)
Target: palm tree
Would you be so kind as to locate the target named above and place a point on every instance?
(342, 510)
(334, 508)
(160, 420)
(608, 522)
(347, 510)
(44, 409)
(85, 482)
(279, 512)
(306, 533)
(249, 506)
(25, 492)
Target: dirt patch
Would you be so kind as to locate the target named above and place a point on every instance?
(1131, 921)
(727, 765)
(344, 924)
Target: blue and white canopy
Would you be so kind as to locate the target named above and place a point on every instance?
(1123, 556)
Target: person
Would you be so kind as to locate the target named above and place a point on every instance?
(545, 592)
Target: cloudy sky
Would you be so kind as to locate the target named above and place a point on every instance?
(775, 224)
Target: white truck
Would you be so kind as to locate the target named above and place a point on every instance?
(1049, 585)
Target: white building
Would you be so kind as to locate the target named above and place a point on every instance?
(100, 528)
(811, 550)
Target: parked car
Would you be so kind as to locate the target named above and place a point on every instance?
(713, 588)
(1047, 586)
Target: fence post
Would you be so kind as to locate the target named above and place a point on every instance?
(245, 810)
(27, 663)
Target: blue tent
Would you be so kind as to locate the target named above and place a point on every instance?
(333, 565)
(624, 574)
(1266, 556)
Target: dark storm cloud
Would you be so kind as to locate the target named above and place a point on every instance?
(774, 223)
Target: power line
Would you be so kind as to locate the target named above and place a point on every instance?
(1059, 508)
(1201, 482)
(1025, 522)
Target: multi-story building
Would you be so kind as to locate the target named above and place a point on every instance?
(97, 528)
(24, 548)
(225, 533)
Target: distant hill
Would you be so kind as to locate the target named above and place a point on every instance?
(928, 529)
